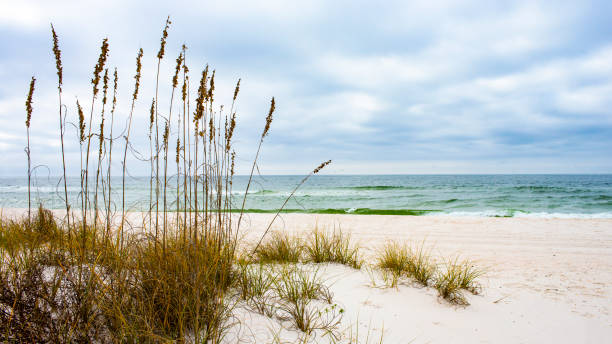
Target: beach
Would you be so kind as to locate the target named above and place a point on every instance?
(547, 280)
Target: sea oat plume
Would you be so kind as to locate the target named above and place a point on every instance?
(115, 80)
(230, 132)
(179, 61)
(237, 89)
(101, 136)
(105, 85)
(199, 112)
(28, 102)
(212, 87)
(178, 149)
(184, 91)
(269, 118)
(58, 58)
(320, 167)
(211, 131)
(100, 65)
(166, 133)
(137, 76)
(232, 168)
(152, 114)
(81, 122)
(162, 48)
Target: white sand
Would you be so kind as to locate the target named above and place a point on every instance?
(548, 280)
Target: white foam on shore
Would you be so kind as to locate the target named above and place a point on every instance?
(542, 215)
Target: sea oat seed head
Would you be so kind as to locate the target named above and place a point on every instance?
(199, 112)
(212, 87)
(58, 58)
(152, 114)
(233, 160)
(28, 102)
(100, 65)
(104, 85)
(230, 132)
(211, 131)
(178, 149)
(115, 80)
(162, 48)
(166, 132)
(137, 76)
(237, 89)
(179, 61)
(101, 136)
(269, 118)
(81, 122)
(320, 167)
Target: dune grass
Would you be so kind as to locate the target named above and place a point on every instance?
(458, 275)
(401, 260)
(279, 247)
(450, 279)
(332, 247)
(316, 246)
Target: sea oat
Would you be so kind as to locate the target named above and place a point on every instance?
(320, 167)
(179, 61)
(137, 76)
(269, 118)
(28, 102)
(81, 122)
(58, 58)
(162, 48)
(152, 114)
(100, 65)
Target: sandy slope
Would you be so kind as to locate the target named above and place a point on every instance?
(548, 280)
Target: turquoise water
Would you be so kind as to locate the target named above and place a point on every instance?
(572, 196)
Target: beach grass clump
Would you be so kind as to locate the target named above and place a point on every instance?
(301, 292)
(30, 233)
(332, 247)
(279, 247)
(456, 276)
(402, 261)
(172, 293)
(394, 257)
(254, 283)
(421, 266)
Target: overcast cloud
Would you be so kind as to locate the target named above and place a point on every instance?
(379, 87)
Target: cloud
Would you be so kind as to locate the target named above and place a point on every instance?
(399, 87)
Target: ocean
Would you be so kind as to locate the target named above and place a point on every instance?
(565, 196)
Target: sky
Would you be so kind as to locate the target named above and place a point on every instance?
(391, 87)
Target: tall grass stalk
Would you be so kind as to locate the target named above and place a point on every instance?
(315, 171)
(160, 56)
(58, 65)
(110, 154)
(95, 82)
(127, 140)
(28, 104)
(100, 145)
